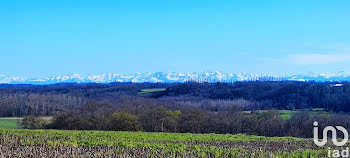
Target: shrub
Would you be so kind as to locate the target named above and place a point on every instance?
(33, 122)
(123, 121)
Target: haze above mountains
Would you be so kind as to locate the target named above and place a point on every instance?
(172, 77)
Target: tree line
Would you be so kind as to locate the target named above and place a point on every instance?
(191, 120)
(22, 100)
(182, 107)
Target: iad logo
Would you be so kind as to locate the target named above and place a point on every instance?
(334, 135)
(332, 153)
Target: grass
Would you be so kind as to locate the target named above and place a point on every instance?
(40, 143)
(9, 122)
(112, 136)
(13, 122)
(284, 114)
(318, 109)
(152, 90)
(287, 114)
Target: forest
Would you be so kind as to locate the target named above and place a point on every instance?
(241, 107)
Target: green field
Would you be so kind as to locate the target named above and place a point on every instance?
(53, 143)
(14, 122)
(152, 90)
(10, 122)
(287, 114)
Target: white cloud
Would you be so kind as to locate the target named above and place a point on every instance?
(317, 59)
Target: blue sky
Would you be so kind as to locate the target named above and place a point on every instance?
(44, 38)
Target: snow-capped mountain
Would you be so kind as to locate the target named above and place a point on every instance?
(172, 77)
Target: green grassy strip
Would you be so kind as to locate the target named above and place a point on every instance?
(152, 90)
(144, 136)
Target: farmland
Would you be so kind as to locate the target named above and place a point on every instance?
(287, 114)
(81, 117)
(9, 122)
(152, 90)
(14, 122)
(59, 143)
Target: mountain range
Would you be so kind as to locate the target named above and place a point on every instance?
(172, 77)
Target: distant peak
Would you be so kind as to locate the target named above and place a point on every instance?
(171, 77)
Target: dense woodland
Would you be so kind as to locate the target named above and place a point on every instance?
(22, 100)
(182, 107)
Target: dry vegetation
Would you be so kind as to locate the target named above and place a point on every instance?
(54, 143)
